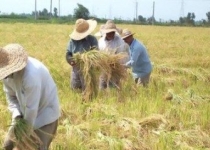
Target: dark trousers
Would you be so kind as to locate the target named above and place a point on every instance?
(144, 81)
(77, 79)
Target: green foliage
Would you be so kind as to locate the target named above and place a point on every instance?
(208, 16)
(55, 12)
(81, 12)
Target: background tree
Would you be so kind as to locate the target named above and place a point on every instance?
(44, 13)
(150, 20)
(55, 10)
(81, 12)
(182, 20)
(208, 16)
(142, 19)
(190, 18)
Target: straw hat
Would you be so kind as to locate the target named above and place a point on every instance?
(119, 30)
(12, 59)
(83, 28)
(109, 27)
(99, 33)
(126, 33)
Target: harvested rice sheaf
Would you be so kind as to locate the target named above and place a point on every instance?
(23, 135)
(94, 62)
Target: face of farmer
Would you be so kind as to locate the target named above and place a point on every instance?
(110, 36)
(128, 40)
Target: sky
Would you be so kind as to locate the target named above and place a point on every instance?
(164, 10)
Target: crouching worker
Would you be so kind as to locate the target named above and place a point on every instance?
(31, 94)
(140, 61)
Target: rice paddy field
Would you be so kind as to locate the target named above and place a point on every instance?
(173, 113)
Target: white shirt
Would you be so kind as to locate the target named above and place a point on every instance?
(117, 45)
(32, 93)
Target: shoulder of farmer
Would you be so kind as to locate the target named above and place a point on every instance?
(137, 46)
(70, 46)
(141, 44)
(92, 40)
(30, 78)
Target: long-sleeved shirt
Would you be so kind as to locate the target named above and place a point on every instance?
(32, 93)
(117, 45)
(86, 44)
(140, 62)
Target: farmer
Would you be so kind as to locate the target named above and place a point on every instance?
(31, 93)
(100, 32)
(80, 41)
(112, 42)
(140, 61)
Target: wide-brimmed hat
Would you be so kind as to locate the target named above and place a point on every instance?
(126, 33)
(99, 33)
(83, 28)
(109, 27)
(12, 59)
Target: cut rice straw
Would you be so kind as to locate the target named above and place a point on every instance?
(23, 135)
(94, 62)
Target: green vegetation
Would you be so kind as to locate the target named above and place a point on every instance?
(171, 114)
(43, 16)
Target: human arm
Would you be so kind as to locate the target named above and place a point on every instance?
(94, 43)
(135, 54)
(69, 54)
(13, 104)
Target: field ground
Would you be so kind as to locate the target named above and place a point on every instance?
(171, 114)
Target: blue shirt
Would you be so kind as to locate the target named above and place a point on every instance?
(140, 62)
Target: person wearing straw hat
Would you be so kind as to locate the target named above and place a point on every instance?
(112, 42)
(80, 41)
(31, 93)
(100, 32)
(140, 61)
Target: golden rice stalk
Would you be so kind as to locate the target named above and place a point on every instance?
(94, 62)
(154, 121)
(23, 136)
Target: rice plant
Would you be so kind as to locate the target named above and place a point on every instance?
(172, 113)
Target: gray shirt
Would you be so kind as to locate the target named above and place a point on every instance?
(86, 44)
(32, 93)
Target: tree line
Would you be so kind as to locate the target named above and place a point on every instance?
(82, 12)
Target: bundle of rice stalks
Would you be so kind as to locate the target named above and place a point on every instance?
(154, 121)
(194, 138)
(22, 134)
(94, 62)
(196, 75)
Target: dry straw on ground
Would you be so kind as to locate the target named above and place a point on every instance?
(93, 63)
